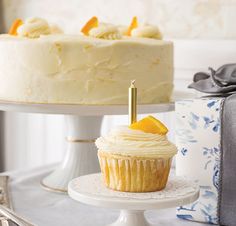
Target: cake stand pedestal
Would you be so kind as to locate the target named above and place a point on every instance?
(84, 125)
(90, 190)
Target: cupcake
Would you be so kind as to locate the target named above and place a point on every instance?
(136, 158)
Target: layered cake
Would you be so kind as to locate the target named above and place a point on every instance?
(40, 64)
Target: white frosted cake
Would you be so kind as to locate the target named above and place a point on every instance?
(39, 66)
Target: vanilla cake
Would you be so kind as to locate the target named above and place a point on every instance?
(39, 66)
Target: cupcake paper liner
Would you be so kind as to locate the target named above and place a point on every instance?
(134, 174)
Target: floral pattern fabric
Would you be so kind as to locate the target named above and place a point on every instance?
(198, 141)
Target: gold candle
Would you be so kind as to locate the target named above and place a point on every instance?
(132, 103)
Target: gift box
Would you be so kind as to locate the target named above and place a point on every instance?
(206, 140)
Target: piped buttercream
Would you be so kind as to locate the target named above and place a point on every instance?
(128, 142)
(33, 28)
(147, 31)
(106, 31)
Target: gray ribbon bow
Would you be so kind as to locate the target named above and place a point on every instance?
(221, 81)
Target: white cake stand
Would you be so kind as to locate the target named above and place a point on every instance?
(90, 190)
(84, 125)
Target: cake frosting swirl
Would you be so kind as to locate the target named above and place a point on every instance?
(106, 31)
(33, 28)
(125, 141)
(147, 31)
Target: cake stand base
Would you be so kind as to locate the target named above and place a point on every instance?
(130, 218)
(81, 154)
(90, 190)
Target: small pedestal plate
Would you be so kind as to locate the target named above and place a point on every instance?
(90, 190)
(84, 125)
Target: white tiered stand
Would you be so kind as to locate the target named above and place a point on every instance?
(84, 125)
(91, 190)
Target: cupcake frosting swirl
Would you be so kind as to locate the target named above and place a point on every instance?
(128, 142)
(147, 31)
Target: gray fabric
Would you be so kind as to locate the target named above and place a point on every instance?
(227, 198)
(223, 80)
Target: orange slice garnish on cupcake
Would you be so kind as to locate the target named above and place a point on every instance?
(13, 29)
(92, 23)
(150, 124)
(133, 25)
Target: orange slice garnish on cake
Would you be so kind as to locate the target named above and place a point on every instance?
(133, 25)
(13, 29)
(150, 124)
(92, 23)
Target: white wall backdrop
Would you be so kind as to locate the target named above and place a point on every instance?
(34, 139)
(208, 19)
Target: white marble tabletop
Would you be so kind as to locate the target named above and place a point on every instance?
(45, 208)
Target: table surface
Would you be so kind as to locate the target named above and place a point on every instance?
(44, 208)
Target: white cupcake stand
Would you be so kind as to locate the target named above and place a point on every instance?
(91, 190)
(84, 125)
